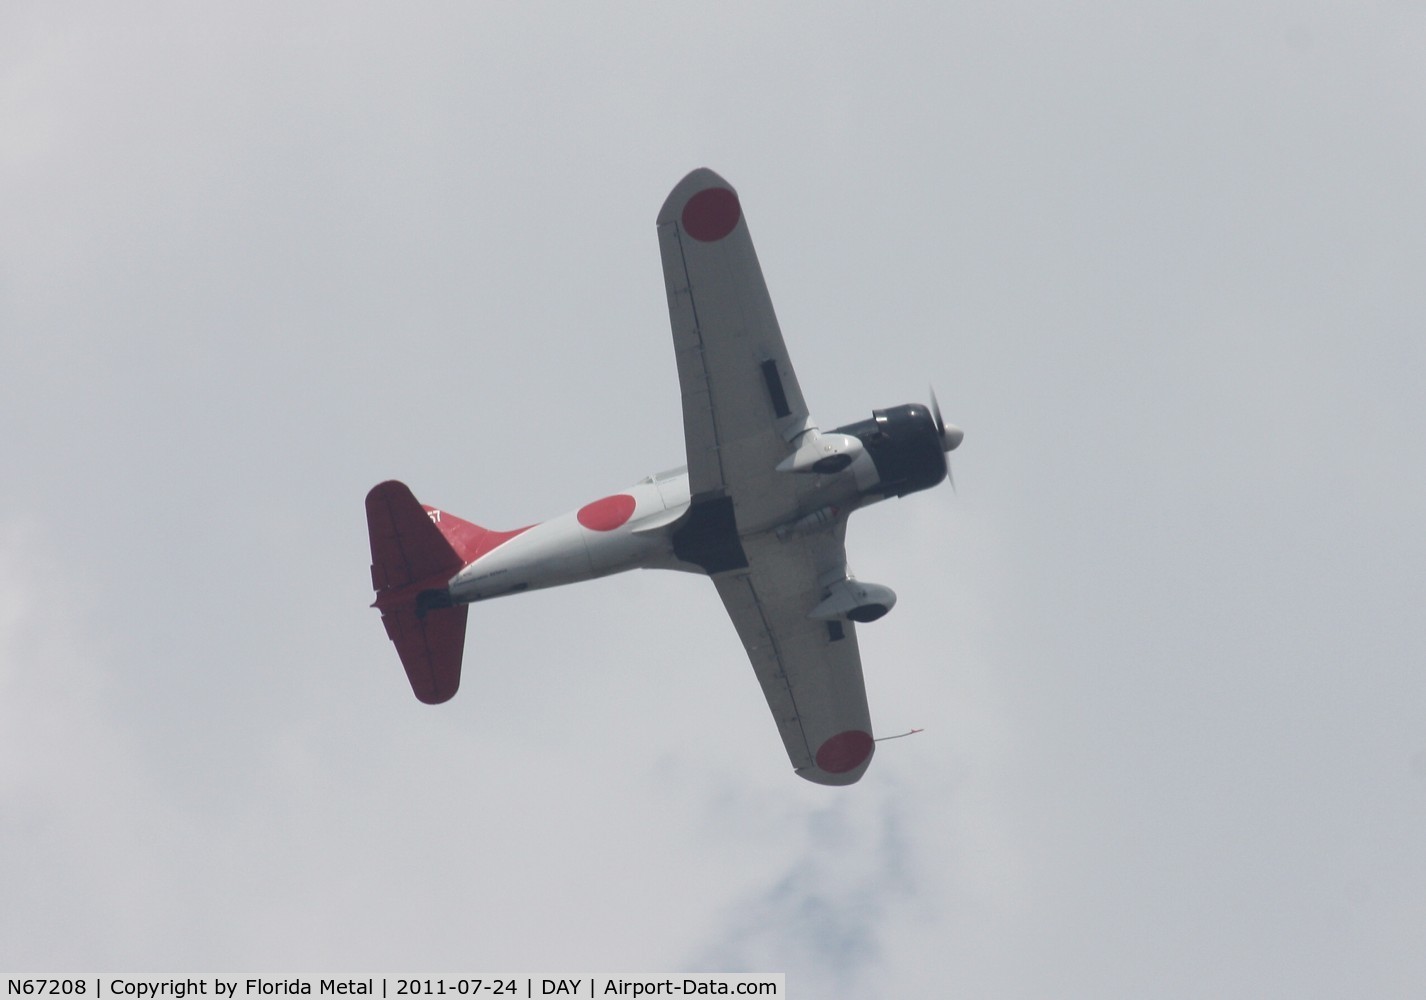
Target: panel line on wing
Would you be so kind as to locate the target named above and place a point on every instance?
(702, 348)
(777, 655)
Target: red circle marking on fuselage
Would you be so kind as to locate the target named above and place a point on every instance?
(711, 214)
(607, 514)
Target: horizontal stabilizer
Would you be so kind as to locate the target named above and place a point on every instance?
(411, 562)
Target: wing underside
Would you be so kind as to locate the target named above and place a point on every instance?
(743, 410)
(810, 670)
(742, 405)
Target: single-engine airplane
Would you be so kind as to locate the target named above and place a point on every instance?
(761, 507)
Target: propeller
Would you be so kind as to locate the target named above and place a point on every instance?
(951, 435)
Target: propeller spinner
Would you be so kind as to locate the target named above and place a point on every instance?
(951, 435)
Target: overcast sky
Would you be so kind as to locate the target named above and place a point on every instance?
(1163, 263)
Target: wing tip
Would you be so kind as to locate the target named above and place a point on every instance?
(694, 182)
(841, 759)
(820, 777)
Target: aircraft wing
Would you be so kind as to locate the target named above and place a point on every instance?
(742, 405)
(810, 670)
(742, 410)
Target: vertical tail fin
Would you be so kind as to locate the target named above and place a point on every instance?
(412, 558)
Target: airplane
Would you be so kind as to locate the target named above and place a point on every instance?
(761, 507)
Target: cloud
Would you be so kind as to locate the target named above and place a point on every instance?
(821, 914)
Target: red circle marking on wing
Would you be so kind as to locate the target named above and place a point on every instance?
(711, 214)
(843, 752)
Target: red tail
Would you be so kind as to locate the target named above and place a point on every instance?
(414, 551)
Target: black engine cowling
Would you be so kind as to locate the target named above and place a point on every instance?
(906, 447)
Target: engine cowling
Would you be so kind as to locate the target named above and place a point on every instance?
(855, 601)
(906, 445)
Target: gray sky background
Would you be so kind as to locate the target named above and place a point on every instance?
(1163, 264)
